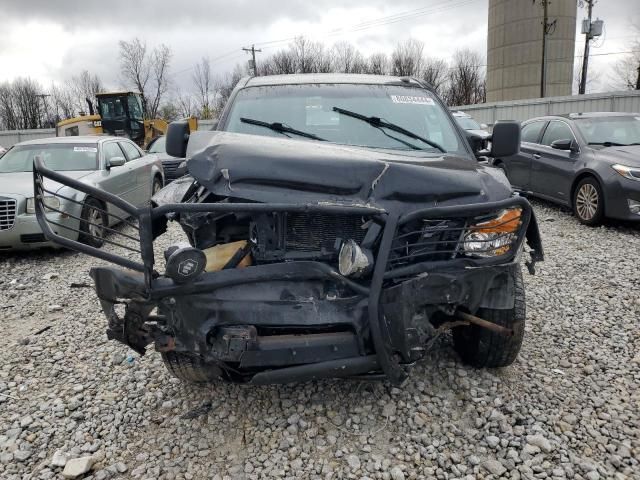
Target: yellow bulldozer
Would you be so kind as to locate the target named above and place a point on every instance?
(119, 114)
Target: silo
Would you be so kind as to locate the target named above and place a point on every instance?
(514, 48)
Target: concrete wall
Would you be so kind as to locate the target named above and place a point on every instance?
(489, 113)
(514, 49)
(8, 138)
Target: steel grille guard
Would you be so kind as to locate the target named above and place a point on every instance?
(379, 329)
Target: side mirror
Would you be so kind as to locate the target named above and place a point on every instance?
(177, 138)
(565, 144)
(476, 142)
(214, 124)
(115, 162)
(484, 126)
(505, 140)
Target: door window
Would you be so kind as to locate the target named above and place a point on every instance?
(556, 131)
(531, 132)
(112, 150)
(131, 150)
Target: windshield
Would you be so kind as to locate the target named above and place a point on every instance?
(618, 130)
(112, 108)
(310, 108)
(158, 146)
(468, 123)
(61, 157)
(135, 108)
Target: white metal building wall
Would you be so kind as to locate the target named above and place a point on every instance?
(521, 110)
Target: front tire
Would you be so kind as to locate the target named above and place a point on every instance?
(94, 223)
(190, 368)
(156, 186)
(481, 347)
(588, 202)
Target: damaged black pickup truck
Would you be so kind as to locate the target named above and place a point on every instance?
(334, 226)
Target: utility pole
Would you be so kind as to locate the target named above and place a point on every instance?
(253, 55)
(546, 29)
(587, 40)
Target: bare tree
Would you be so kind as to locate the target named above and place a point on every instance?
(407, 59)
(466, 79)
(147, 71)
(378, 64)
(204, 87)
(185, 104)
(63, 102)
(281, 62)
(22, 104)
(434, 72)
(310, 56)
(226, 84)
(626, 72)
(82, 87)
(347, 59)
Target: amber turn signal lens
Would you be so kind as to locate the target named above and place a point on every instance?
(507, 222)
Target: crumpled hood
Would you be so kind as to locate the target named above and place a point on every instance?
(266, 169)
(21, 183)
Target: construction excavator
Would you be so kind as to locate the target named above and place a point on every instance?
(119, 114)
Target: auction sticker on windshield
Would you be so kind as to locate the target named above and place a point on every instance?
(412, 99)
(85, 149)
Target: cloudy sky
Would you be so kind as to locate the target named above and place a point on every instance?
(52, 40)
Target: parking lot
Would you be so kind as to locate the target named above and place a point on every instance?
(568, 408)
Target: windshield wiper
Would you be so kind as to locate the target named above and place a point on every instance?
(610, 144)
(281, 128)
(377, 122)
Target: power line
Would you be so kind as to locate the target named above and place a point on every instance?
(377, 22)
(253, 51)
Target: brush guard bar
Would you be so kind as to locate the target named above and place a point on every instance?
(144, 217)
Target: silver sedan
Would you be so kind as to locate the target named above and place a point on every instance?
(115, 165)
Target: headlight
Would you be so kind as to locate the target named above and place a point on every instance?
(51, 202)
(632, 173)
(353, 260)
(493, 237)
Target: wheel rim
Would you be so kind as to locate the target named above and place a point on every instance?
(587, 201)
(96, 227)
(156, 188)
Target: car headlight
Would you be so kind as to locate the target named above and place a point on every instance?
(51, 202)
(493, 237)
(632, 173)
(354, 261)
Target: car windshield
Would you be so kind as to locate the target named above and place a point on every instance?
(623, 130)
(311, 109)
(60, 157)
(468, 123)
(158, 146)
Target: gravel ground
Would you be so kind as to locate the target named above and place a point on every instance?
(568, 408)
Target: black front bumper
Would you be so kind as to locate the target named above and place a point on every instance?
(376, 326)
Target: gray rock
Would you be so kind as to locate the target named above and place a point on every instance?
(397, 474)
(354, 462)
(494, 466)
(59, 459)
(22, 455)
(493, 441)
(540, 441)
(77, 466)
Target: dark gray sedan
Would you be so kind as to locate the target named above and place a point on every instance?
(589, 162)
